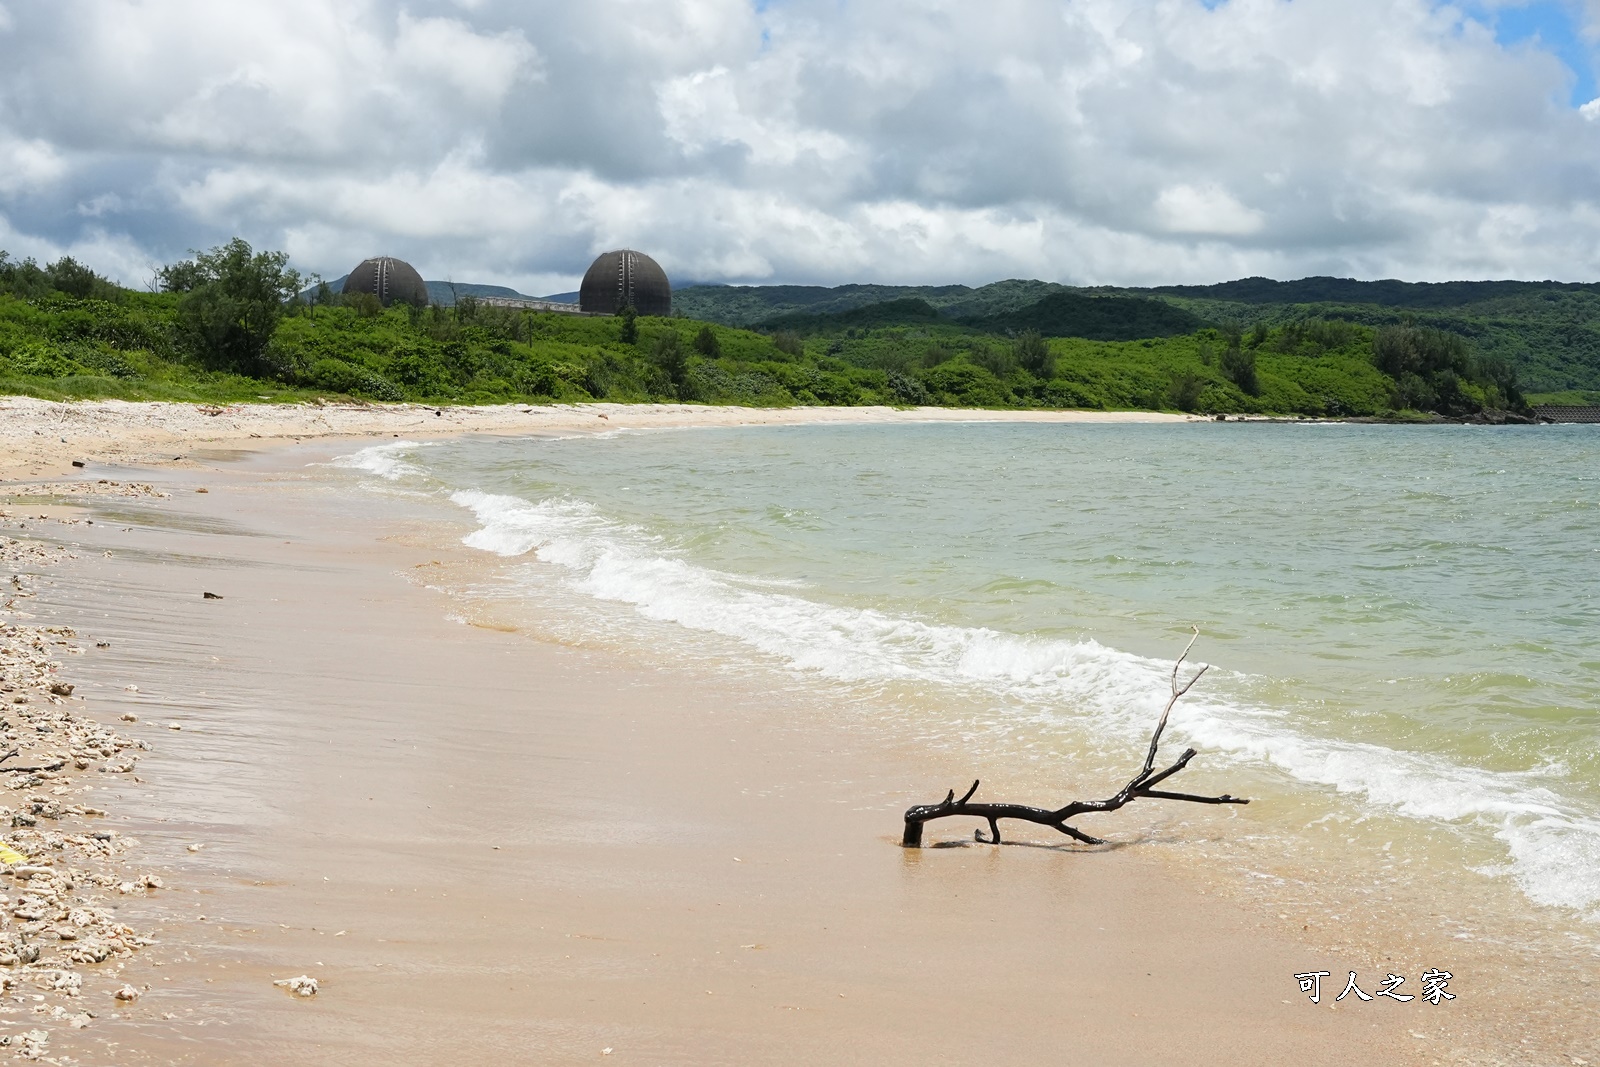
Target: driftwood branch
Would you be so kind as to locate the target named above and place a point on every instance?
(1140, 786)
(56, 766)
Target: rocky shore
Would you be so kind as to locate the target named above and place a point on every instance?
(65, 930)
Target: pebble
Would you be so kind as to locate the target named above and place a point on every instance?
(55, 919)
(302, 986)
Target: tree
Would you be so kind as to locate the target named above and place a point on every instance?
(23, 280)
(668, 354)
(232, 302)
(1433, 369)
(1419, 350)
(69, 276)
(630, 324)
(1239, 364)
(319, 294)
(1000, 362)
(1033, 353)
(1184, 393)
(706, 343)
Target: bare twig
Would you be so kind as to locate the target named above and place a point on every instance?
(55, 765)
(1140, 786)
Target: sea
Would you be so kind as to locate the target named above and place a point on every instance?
(1400, 624)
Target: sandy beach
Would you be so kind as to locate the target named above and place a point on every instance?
(488, 847)
(42, 438)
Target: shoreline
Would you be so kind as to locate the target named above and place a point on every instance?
(624, 837)
(43, 438)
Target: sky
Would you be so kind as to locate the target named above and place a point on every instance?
(1091, 142)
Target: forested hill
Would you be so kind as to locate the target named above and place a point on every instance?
(228, 325)
(1549, 331)
(1388, 292)
(445, 294)
(750, 305)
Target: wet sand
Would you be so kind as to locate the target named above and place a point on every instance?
(491, 849)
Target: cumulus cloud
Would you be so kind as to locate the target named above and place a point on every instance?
(1090, 141)
(1207, 209)
(29, 164)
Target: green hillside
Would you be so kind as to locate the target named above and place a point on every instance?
(233, 325)
(1096, 318)
(1548, 331)
(749, 305)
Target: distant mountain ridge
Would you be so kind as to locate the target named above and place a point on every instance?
(445, 294)
(1057, 314)
(1387, 292)
(1549, 331)
(746, 305)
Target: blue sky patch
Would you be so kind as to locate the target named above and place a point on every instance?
(1552, 26)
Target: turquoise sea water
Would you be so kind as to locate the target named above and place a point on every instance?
(1403, 621)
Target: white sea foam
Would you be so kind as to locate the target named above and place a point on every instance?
(1553, 847)
(386, 460)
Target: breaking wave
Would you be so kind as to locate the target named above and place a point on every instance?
(387, 461)
(1553, 847)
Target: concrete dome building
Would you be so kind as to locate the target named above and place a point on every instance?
(390, 280)
(618, 279)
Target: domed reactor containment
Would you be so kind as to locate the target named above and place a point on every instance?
(390, 280)
(625, 277)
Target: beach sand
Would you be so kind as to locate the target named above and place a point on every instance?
(41, 438)
(491, 849)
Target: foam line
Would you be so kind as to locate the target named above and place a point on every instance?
(1553, 846)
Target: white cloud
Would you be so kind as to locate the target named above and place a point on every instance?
(1126, 141)
(114, 255)
(27, 164)
(1207, 209)
(482, 68)
(704, 110)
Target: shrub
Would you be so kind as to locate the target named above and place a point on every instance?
(788, 342)
(706, 343)
(961, 383)
(1239, 364)
(908, 390)
(667, 353)
(1185, 390)
(1000, 362)
(338, 376)
(1033, 354)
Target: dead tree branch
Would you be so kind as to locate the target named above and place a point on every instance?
(1142, 785)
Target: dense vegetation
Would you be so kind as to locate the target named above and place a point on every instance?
(1549, 332)
(748, 305)
(234, 324)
